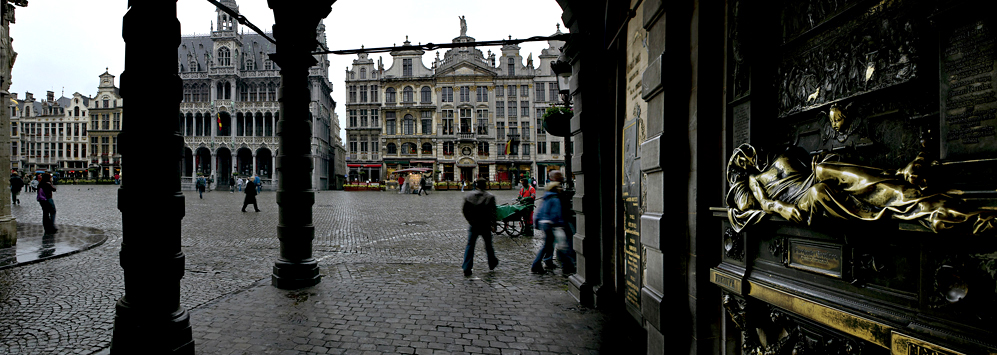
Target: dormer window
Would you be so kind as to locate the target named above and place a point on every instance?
(363, 73)
(406, 67)
(511, 66)
(249, 64)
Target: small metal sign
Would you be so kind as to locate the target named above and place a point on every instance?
(822, 258)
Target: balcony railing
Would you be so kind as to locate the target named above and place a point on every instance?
(466, 136)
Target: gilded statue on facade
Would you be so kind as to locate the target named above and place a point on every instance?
(804, 189)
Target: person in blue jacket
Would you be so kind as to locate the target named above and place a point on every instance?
(550, 219)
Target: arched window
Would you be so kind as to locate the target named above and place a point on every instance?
(363, 73)
(351, 75)
(252, 92)
(392, 149)
(271, 91)
(224, 57)
(408, 148)
(186, 93)
(389, 95)
(249, 64)
(427, 148)
(426, 94)
(408, 125)
(205, 97)
(76, 111)
(407, 94)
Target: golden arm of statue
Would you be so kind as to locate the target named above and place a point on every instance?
(787, 210)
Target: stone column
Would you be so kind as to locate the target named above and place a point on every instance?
(295, 30)
(149, 317)
(8, 226)
(254, 172)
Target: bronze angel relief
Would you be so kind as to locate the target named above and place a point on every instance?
(802, 189)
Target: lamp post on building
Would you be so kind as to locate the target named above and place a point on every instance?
(562, 68)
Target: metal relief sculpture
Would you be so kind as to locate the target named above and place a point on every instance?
(871, 52)
(803, 189)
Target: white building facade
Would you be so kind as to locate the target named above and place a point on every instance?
(467, 115)
(49, 135)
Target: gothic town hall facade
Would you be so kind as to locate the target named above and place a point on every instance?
(229, 112)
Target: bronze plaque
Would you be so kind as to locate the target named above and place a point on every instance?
(907, 345)
(968, 114)
(728, 282)
(815, 257)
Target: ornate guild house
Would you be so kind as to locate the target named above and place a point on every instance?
(467, 115)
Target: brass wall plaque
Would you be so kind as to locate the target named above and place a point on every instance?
(907, 345)
(725, 281)
(815, 257)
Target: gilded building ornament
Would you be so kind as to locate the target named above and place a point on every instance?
(804, 189)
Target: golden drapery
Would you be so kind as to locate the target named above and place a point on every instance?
(782, 183)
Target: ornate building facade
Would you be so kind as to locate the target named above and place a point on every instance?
(50, 135)
(229, 112)
(106, 110)
(466, 116)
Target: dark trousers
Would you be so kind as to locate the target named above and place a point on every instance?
(48, 215)
(250, 199)
(472, 238)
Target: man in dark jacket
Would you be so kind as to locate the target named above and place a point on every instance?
(16, 184)
(250, 196)
(479, 211)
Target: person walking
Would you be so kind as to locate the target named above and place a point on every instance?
(527, 196)
(200, 185)
(16, 184)
(45, 190)
(259, 185)
(479, 211)
(34, 183)
(559, 207)
(241, 182)
(423, 184)
(231, 184)
(250, 196)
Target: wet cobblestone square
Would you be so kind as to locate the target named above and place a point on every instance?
(391, 282)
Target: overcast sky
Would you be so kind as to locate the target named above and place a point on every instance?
(64, 45)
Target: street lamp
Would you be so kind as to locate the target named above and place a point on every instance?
(562, 68)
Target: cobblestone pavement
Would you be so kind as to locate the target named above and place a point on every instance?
(391, 283)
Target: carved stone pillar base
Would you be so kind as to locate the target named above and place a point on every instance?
(289, 275)
(137, 332)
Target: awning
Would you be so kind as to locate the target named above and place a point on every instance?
(354, 165)
(424, 161)
(396, 161)
(372, 165)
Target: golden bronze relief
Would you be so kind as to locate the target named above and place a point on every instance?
(800, 188)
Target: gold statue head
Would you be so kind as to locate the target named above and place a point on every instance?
(742, 162)
(837, 117)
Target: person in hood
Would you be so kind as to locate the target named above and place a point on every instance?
(479, 211)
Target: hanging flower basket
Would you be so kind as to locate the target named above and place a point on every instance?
(557, 121)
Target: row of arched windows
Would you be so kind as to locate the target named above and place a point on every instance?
(198, 92)
(247, 124)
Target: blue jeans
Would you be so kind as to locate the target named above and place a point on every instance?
(567, 257)
(472, 238)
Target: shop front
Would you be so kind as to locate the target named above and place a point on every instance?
(364, 172)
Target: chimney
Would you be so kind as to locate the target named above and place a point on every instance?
(14, 95)
(29, 96)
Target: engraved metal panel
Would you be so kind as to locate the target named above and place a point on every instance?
(822, 258)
